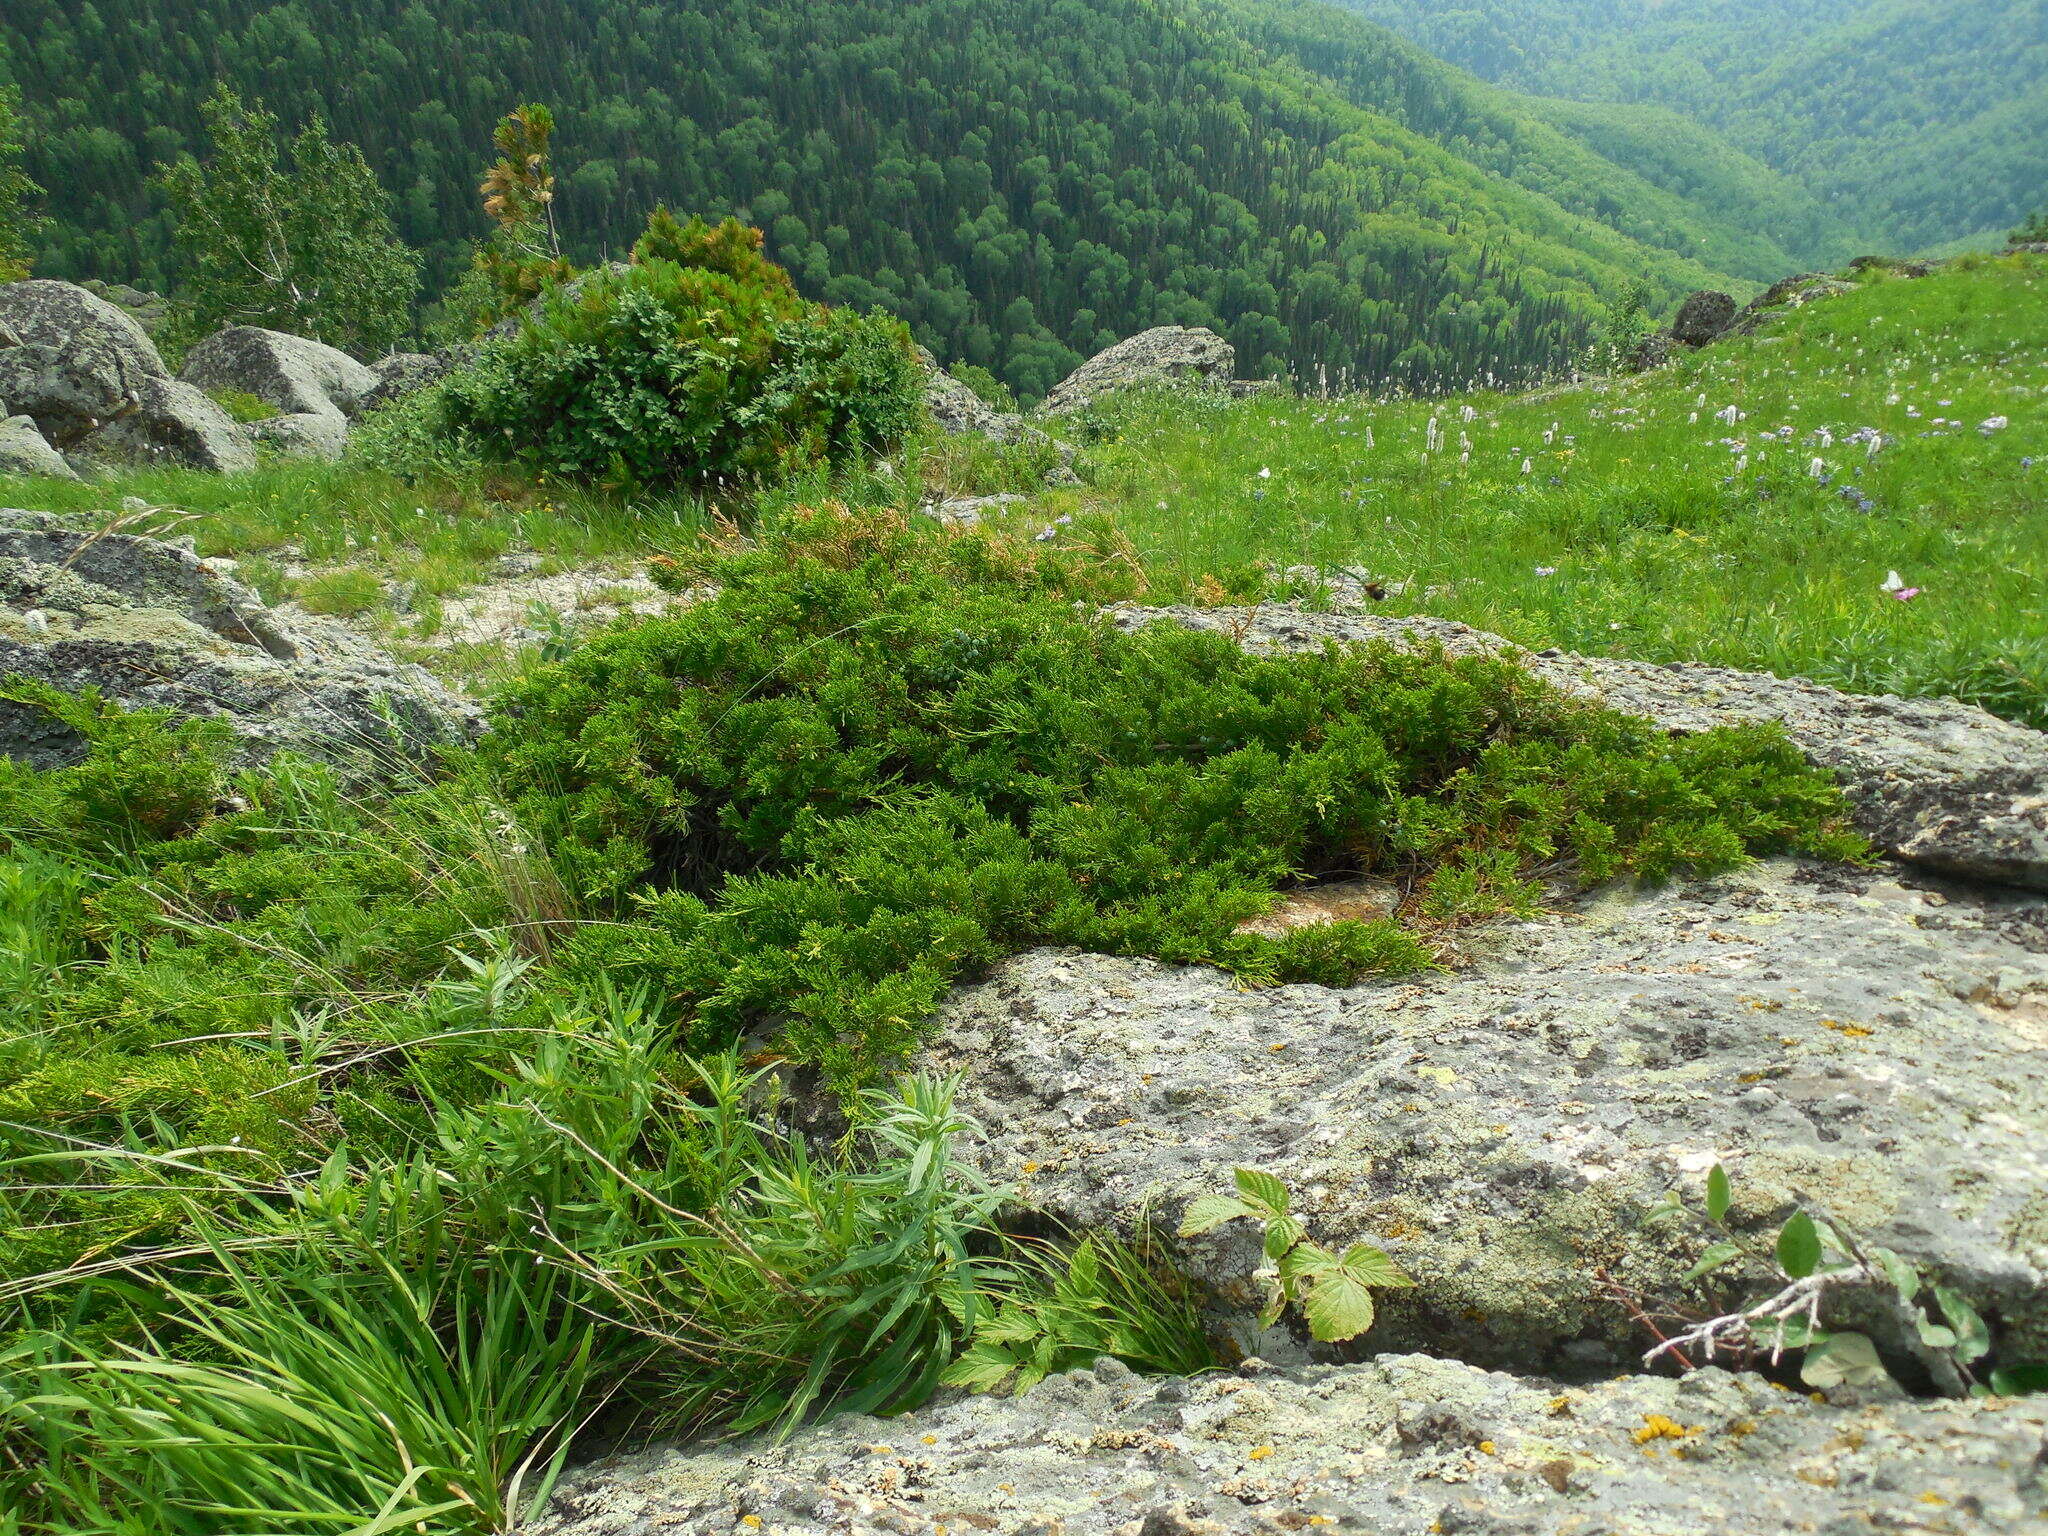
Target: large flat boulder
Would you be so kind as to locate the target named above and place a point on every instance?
(1876, 1046)
(297, 375)
(1166, 354)
(1936, 783)
(1403, 1446)
(44, 312)
(151, 625)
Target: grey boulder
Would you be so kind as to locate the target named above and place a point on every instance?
(68, 394)
(1702, 317)
(48, 313)
(1405, 1445)
(151, 625)
(297, 375)
(1936, 783)
(1166, 354)
(172, 423)
(24, 451)
(304, 435)
(402, 373)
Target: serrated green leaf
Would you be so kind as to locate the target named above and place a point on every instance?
(1338, 1307)
(2019, 1380)
(1207, 1212)
(1262, 1191)
(1712, 1258)
(1370, 1266)
(1799, 1246)
(1306, 1259)
(1973, 1337)
(1904, 1278)
(1845, 1359)
(1719, 1195)
(1282, 1233)
(982, 1367)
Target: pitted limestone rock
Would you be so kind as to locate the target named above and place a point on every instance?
(149, 624)
(1874, 1048)
(1933, 782)
(1403, 1446)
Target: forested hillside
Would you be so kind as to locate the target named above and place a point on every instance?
(1022, 179)
(1912, 123)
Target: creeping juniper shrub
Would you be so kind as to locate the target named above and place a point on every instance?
(869, 768)
(695, 373)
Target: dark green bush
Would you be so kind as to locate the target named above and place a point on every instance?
(662, 374)
(870, 766)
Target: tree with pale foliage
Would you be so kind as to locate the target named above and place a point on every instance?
(18, 226)
(296, 239)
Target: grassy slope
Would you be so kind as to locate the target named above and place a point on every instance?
(1666, 543)
(1667, 540)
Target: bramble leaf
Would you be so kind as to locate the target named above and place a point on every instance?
(1207, 1212)
(1369, 1266)
(1904, 1277)
(1262, 1191)
(1339, 1306)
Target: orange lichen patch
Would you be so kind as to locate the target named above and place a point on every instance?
(1658, 1427)
(1853, 1031)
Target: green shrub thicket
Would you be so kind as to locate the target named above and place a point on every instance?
(428, 1105)
(697, 365)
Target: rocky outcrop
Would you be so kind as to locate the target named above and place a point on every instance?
(24, 451)
(1166, 354)
(146, 309)
(1702, 317)
(1873, 1045)
(402, 373)
(91, 379)
(298, 376)
(172, 423)
(1403, 1446)
(149, 624)
(1936, 783)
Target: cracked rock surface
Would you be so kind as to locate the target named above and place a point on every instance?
(1403, 1446)
(1878, 1047)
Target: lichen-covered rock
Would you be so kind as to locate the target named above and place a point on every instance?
(303, 434)
(953, 406)
(146, 309)
(150, 624)
(1403, 1446)
(1166, 354)
(44, 312)
(1879, 1047)
(1702, 317)
(297, 375)
(403, 372)
(24, 451)
(69, 395)
(172, 423)
(1937, 783)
